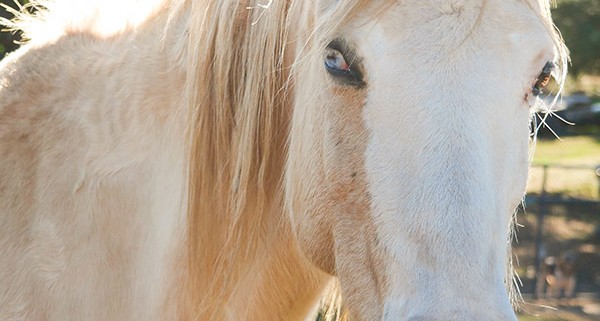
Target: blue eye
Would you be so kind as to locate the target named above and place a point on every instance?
(343, 64)
(335, 61)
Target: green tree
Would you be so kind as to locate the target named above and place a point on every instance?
(579, 23)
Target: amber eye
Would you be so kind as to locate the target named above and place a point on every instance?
(543, 79)
(335, 62)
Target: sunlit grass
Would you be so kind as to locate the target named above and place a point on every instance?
(576, 150)
(583, 151)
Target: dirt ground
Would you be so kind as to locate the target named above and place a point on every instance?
(579, 309)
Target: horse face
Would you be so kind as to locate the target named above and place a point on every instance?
(409, 154)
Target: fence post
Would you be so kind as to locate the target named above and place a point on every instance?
(539, 236)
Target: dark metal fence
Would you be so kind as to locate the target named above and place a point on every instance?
(580, 200)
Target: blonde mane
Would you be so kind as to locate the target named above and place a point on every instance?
(238, 136)
(240, 50)
(240, 63)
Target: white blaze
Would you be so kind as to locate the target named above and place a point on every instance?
(447, 155)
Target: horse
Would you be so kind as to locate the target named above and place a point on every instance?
(267, 159)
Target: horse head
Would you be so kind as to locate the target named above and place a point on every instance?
(409, 151)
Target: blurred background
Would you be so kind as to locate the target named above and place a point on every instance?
(557, 247)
